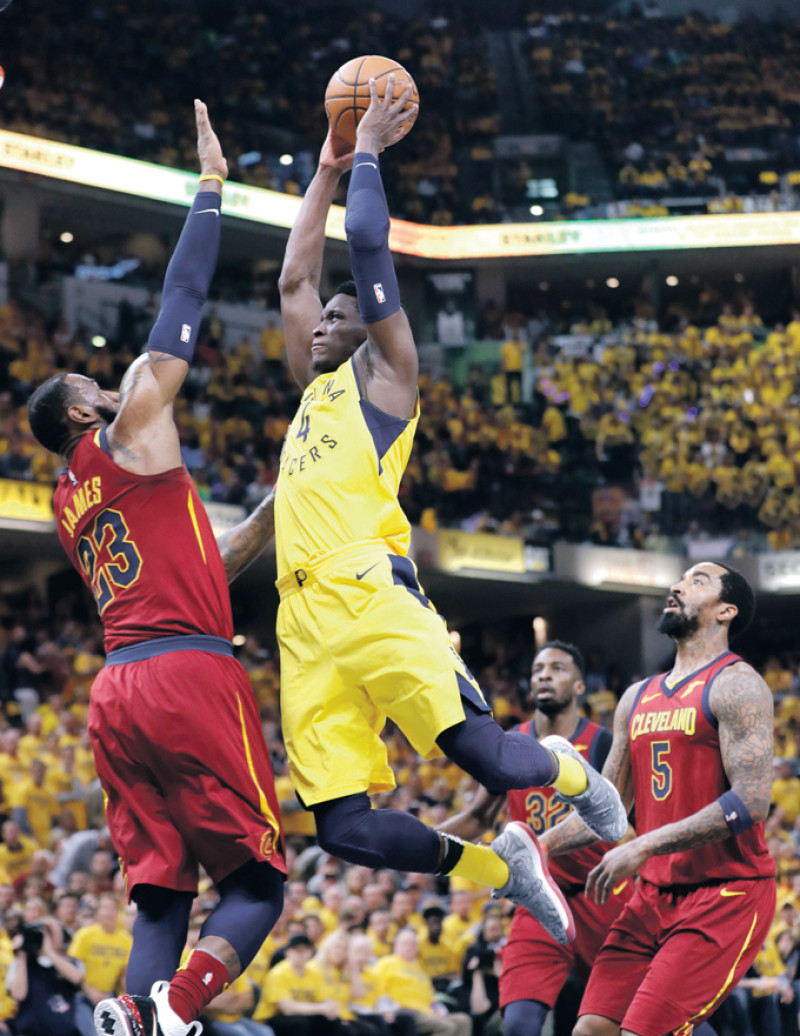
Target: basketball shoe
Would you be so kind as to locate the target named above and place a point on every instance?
(142, 1016)
(530, 883)
(599, 806)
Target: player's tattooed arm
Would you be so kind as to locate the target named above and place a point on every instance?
(572, 833)
(241, 545)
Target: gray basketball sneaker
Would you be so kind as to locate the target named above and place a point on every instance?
(600, 806)
(530, 883)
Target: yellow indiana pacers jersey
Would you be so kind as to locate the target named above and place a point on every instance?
(341, 465)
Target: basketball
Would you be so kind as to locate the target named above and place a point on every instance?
(347, 95)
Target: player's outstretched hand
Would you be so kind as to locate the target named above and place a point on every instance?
(382, 123)
(209, 149)
(336, 152)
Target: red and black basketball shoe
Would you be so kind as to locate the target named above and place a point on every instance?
(142, 1016)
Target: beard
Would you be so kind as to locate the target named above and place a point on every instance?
(551, 706)
(677, 625)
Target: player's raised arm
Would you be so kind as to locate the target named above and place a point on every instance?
(143, 432)
(572, 833)
(392, 364)
(301, 308)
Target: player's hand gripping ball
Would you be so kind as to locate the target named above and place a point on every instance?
(347, 96)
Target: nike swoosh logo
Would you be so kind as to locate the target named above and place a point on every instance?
(616, 891)
(201, 211)
(651, 696)
(360, 575)
(727, 892)
(691, 687)
(366, 163)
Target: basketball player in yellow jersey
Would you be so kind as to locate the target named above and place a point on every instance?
(359, 640)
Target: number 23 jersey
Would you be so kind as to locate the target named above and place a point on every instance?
(143, 545)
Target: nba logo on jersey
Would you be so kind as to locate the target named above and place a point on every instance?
(186, 333)
(380, 294)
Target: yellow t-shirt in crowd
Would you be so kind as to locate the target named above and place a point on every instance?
(439, 959)
(104, 954)
(786, 794)
(40, 805)
(283, 983)
(17, 861)
(407, 984)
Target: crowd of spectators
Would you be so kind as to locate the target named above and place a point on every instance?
(629, 435)
(414, 953)
(672, 104)
(676, 107)
(262, 70)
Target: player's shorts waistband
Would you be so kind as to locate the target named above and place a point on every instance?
(318, 564)
(164, 645)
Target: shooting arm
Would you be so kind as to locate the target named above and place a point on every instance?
(242, 544)
(301, 308)
(393, 364)
(480, 816)
(572, 833)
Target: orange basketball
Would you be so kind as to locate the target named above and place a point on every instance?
(347, 95)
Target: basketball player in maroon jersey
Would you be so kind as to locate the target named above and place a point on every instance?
(692, 749)
(534, 965)
(175, 730)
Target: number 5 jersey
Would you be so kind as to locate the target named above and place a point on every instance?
(144, 546)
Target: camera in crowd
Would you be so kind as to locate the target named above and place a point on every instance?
(32, 933)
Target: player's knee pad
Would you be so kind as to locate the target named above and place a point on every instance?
(343, 830)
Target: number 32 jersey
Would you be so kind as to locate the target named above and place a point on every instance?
(144, 546)
(677, 770)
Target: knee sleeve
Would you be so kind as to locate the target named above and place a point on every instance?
(500, 761)
(524, 1018)
(250, 902)
(377, 838)
(159, 935)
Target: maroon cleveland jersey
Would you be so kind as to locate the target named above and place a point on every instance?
(539, 808)
(677, 771)
(144, 547)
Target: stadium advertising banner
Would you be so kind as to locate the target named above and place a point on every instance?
(779, 573)
(502, 240)
(615, 568)
(479, 551)
(26, 505)
(29, 506)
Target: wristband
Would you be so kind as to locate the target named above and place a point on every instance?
(737, 815)
(211, 176)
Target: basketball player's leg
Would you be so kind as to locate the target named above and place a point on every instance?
(401, 653)
(223, 818)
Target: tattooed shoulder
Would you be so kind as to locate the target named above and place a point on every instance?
(741, 697)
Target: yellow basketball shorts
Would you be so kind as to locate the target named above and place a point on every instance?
(360, 642)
